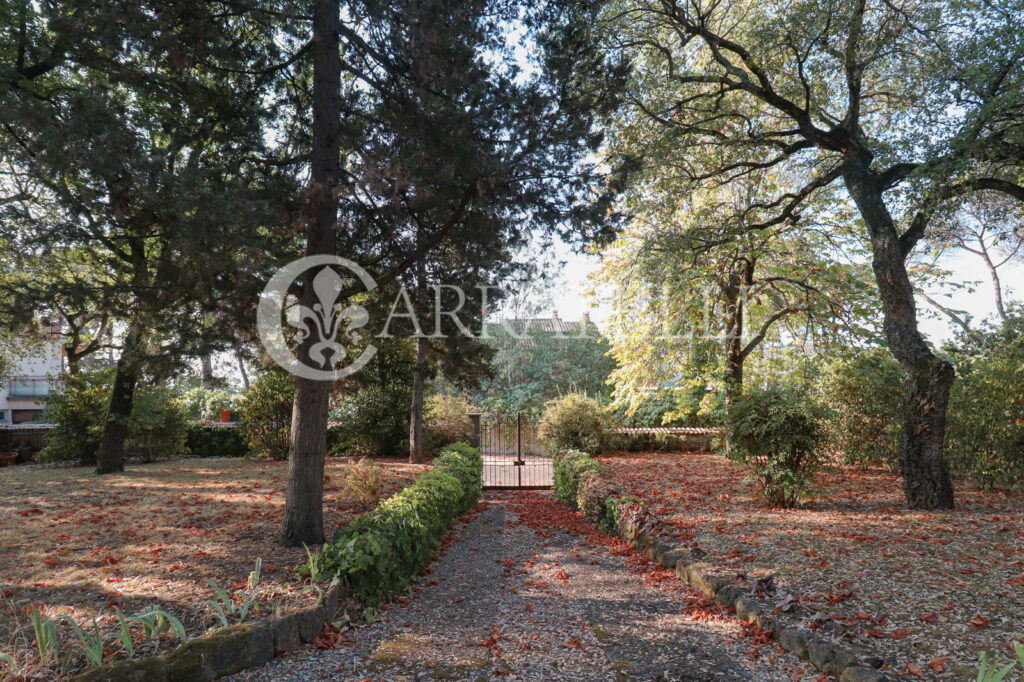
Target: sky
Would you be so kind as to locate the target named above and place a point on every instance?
(571, 302)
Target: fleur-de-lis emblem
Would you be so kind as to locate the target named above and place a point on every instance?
(324, 319)
(318, 324)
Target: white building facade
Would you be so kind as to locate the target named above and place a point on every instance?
(23, 398)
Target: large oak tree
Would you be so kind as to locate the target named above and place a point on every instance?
(905, 104)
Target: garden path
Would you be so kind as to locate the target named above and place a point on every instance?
(513, 601)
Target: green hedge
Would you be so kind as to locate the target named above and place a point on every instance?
(580, 482)
(215, 441)
(381, 552)
(570, 466)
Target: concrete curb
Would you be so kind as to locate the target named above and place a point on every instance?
(225, 651)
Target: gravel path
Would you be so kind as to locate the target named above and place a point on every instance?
(510, 602)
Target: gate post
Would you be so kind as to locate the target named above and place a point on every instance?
(474, 438)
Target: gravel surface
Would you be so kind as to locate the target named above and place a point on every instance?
(512, 603)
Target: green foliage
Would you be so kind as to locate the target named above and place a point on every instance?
(992, 672)
(544, 365)
(862, 393)
(592, 494)
(985, 422)
(573, 422)
(45, 631)
(78, 410)
(776, 433)
(267, 414)
(155, 621)
(207, 404)
(446, 421)
(215, 441)
(227, 608)
(158, 426)
(373, 422)
(381, 552)
(569, 469)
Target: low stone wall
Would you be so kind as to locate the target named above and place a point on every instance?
(225, 651)
(641, 530)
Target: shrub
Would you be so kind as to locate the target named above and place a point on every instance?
(267, 413)
(446, 421)
(372, 422)
(159, 424)
(78, 411)
(592, 496)
(381, 552)
(573, 422)
(207, 404)
(204, 440)
(985, 422)
(569, 468)
(776, 433)
(364, 481)
(863, 395)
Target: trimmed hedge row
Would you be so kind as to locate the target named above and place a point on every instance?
(381, 552)
(215, 441)
(580, 484)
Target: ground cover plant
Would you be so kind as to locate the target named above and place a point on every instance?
(160, 536)
(929, 590)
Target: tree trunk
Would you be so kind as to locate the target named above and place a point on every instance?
(416, 416)
(416, 419)
(110, 456)
(926, 481)
(304, 514)
(207, 371)
(734, 299)
(241, 369)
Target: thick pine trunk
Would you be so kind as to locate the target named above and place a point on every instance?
(303, 514)
(110, 456)
(926, 480)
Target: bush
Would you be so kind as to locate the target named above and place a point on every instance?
(159, 424)
(372, 422)
(569, 468)
(215, 441)
(573, 422)
(985, 422)
(863, 397)
(267, 414)
(446, 421)
(776, 434)
(364, 481)
(207, 404)
(157, 428)
(381, 552)
(78, 410)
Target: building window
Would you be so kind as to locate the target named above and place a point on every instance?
(25, 416)
(29, 387)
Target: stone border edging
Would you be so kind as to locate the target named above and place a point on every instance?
(640, 529)
(225, 651)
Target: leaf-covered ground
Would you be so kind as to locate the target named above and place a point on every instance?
(83, 545)
(927, 590)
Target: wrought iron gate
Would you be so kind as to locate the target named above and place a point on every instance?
(513, 456)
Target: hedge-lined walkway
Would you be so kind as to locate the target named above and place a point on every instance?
(516, 597)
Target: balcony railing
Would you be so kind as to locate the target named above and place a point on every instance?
(29, 387)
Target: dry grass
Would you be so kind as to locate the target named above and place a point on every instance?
(82, 545)
(929, 590)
